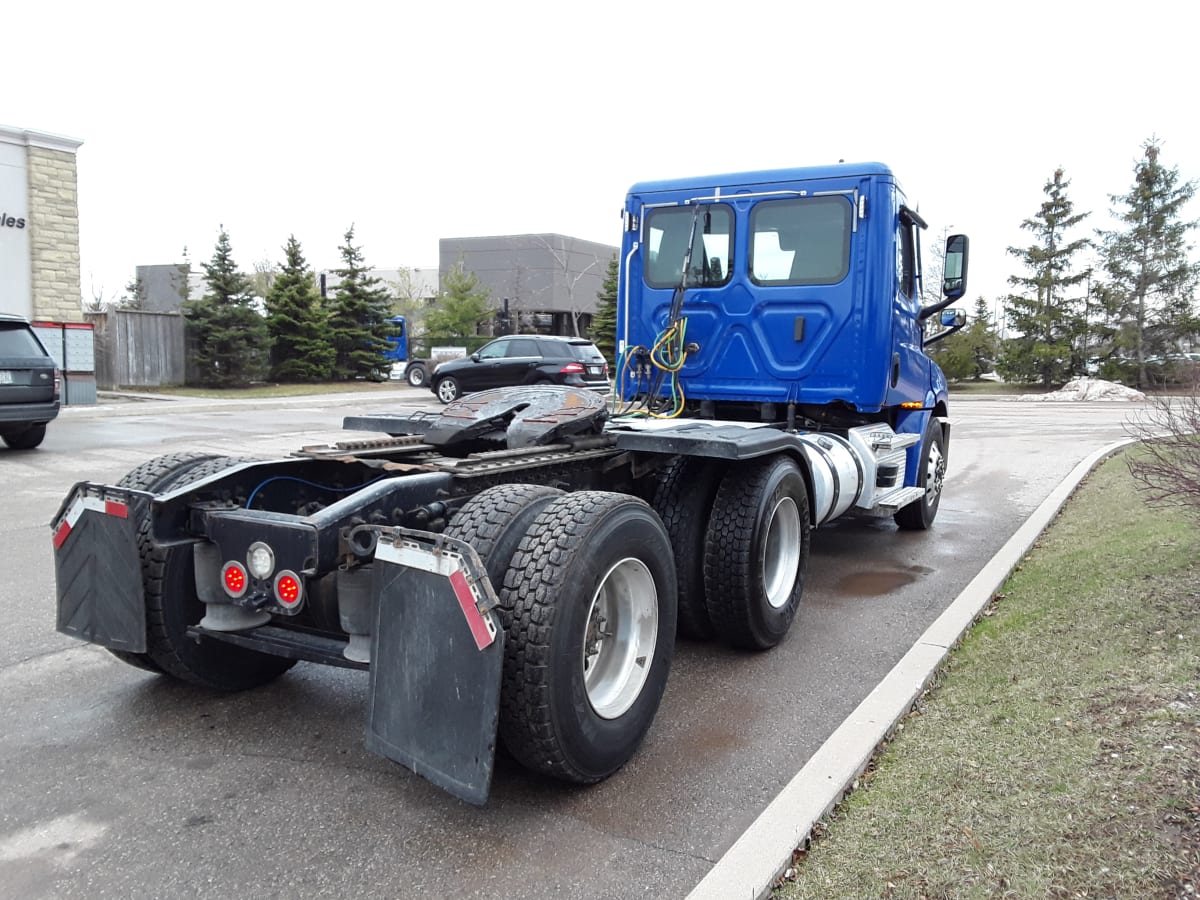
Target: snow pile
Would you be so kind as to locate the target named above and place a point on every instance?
(1089, 389)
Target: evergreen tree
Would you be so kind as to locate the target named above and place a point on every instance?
(1151, 283)
(358, 313)
(230, 337)
(971, 353)
(604, 322)
(1046, 315)
(301, 349)
(462, 307)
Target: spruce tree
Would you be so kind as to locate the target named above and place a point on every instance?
(462, 308)
(1151, 282)
(229, 336)
(604, 322)
(970, 353)
(1047, 314)
(301, 349)
(358, 313)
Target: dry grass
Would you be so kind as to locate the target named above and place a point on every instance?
(1058, 754)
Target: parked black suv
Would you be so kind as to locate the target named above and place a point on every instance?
(522, 359)
(29, 384)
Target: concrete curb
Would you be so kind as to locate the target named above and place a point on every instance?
(749, 868)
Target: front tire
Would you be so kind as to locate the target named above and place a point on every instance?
(448, 390)
(756, 552)
(919, 515)
(416, 376)
(592, 593)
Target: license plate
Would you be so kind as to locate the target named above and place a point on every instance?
(594, 370)
(6, 377)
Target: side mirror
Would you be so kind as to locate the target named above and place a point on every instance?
(954, 270)
(953, 318)
(952, 321)
(475, 356)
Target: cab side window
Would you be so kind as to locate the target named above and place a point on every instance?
(906, 260)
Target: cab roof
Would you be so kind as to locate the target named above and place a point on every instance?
(767, 176)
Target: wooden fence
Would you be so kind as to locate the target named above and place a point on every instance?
(138, 349)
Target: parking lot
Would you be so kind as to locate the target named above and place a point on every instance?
(122, 784)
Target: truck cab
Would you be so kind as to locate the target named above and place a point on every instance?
(801, 291)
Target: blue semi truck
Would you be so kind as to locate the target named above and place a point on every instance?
(416, 370)
(516, 565)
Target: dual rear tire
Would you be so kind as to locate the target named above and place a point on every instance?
(740, 537)
(586, 584)
(169, 590)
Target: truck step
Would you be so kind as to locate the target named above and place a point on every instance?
(888, 503)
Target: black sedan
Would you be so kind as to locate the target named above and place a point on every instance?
(520, 359)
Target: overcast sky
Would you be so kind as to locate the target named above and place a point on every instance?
(417, 121)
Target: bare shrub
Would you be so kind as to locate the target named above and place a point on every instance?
(1167, 472)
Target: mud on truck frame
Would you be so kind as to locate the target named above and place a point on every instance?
(516, 565)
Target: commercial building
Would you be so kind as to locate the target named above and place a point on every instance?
(39, 225)
(548, 282)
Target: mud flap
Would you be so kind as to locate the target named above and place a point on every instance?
(436, 658)
(97, 567)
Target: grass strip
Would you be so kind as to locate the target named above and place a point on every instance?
(1057, 753)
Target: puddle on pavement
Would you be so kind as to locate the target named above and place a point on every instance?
(874, 584)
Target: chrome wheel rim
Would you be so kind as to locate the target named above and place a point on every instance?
(619, 639)
(446, 391)
(935, 473)
(781, 560)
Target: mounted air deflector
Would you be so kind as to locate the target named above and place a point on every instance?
(519, 417)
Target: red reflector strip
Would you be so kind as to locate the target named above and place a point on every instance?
(63, 532)
(466, 600)
(95, 504)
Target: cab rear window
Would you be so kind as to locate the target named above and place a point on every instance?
(804, 240)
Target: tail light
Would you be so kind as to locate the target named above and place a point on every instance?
(57, 384)
(288, 589)
(572, 369)
(234, 579)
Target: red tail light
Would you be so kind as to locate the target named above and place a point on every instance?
(572, 369)
(288, 589)
(234, 580)
(57, 384)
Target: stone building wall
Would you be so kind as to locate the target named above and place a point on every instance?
(54, 235)
(40, 248)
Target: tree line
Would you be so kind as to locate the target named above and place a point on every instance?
(1118, 302)
(305, 336)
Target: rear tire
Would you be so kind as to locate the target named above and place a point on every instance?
(27, 439)
(919, 515)
(416, 376)
(592, 593)
(683, 497)
(756, 552)
(169, 586)
(151, 476)
(495, 520)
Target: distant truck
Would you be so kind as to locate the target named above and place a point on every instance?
(515, 566)
(415, 371)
